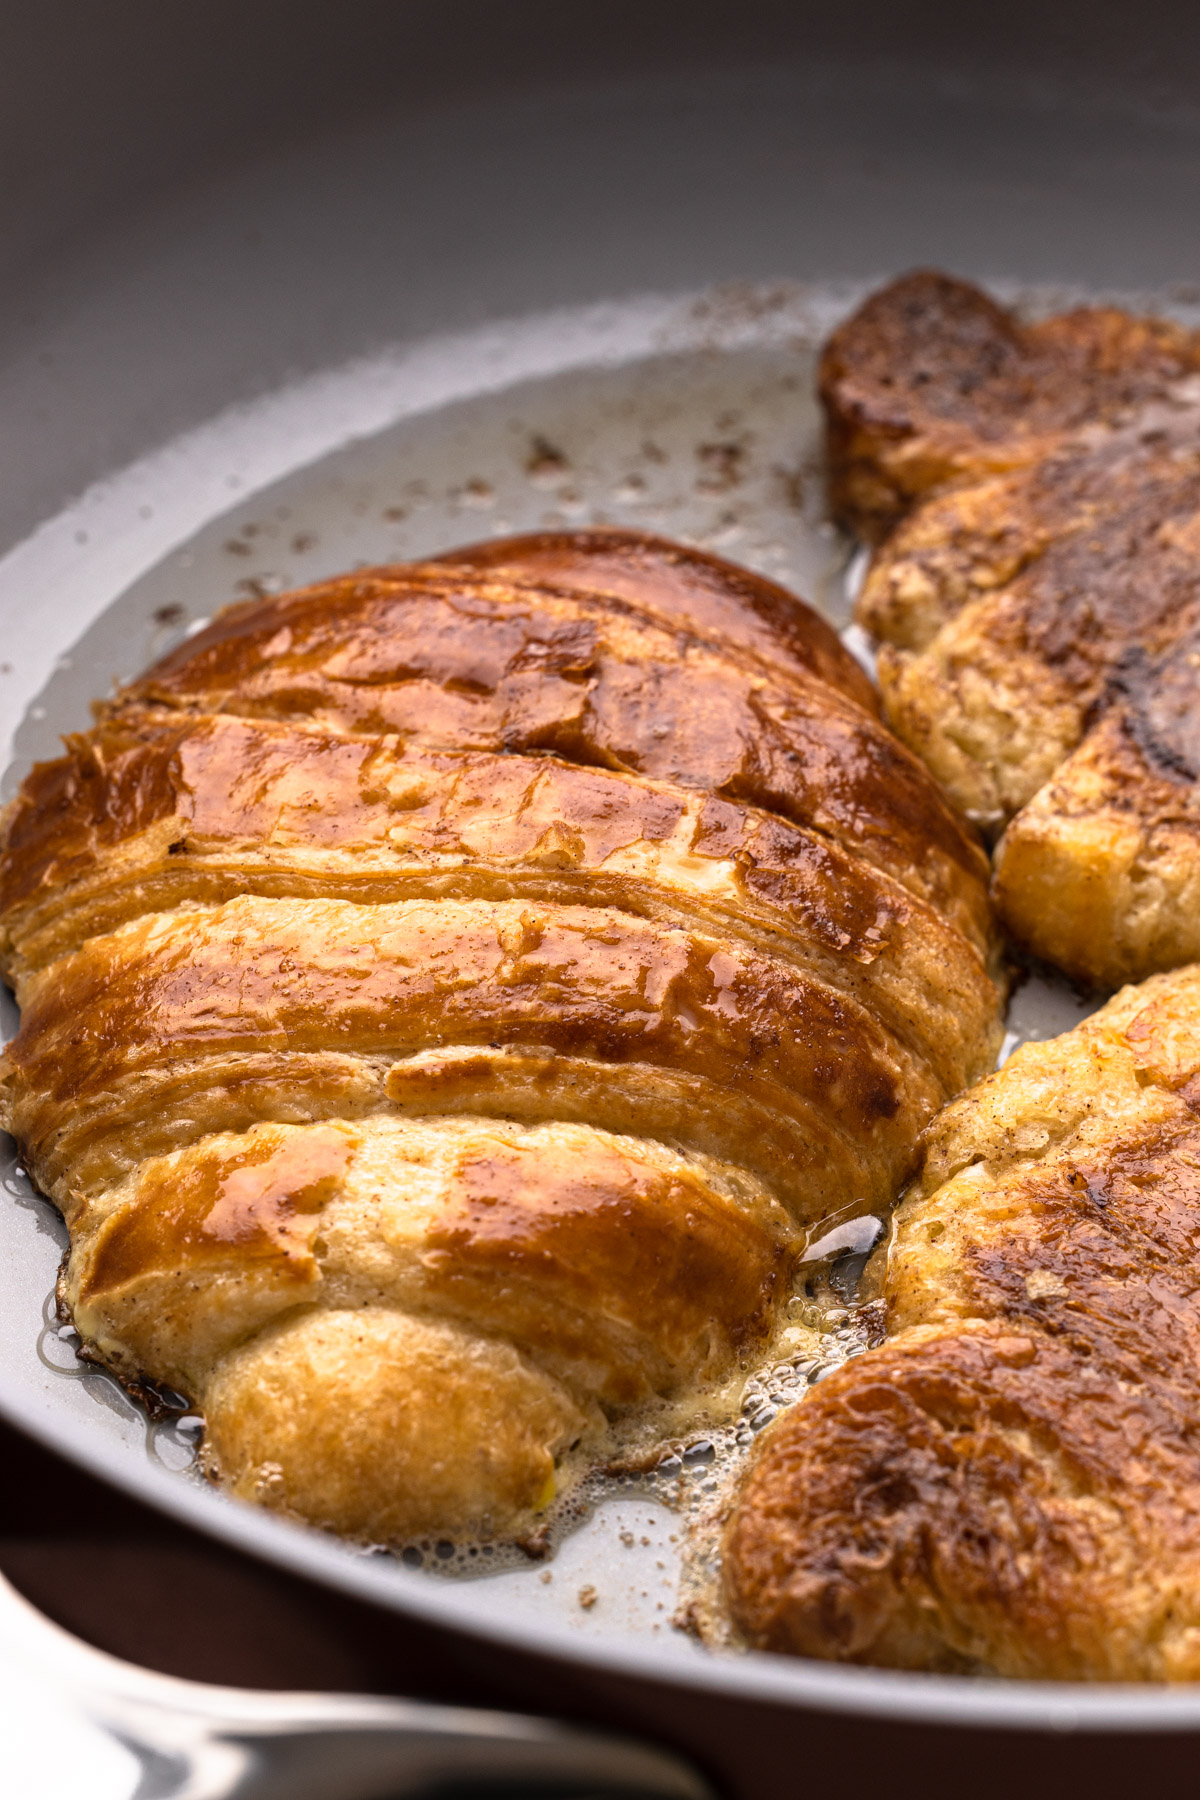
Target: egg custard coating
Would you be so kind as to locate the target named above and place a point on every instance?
(1009, 1483)
(1037, 599)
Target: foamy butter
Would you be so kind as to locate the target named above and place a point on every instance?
(635, 1541)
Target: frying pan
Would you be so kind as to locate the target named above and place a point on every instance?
(289, 287)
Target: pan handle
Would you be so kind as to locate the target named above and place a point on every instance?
(72, 1716)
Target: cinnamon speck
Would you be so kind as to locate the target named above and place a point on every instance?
(721, 467)
(259, 587)
(546, 466)
(587, 1597)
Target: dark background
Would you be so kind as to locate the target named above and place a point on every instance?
(138, 292)
(104, 108)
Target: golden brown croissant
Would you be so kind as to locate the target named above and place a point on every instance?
(1011, 1481)
(931, 381)
(450, 993)
(1040, 615)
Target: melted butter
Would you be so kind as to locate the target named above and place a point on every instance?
(263, 1201)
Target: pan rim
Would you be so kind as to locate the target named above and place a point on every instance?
(899, 1696)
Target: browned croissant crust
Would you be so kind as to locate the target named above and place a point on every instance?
(1012, 1480)
(449, 996)
(687, 585)
(931, 381)
(1040, 614)
(452, 660)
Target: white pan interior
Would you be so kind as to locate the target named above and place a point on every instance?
(685, 408)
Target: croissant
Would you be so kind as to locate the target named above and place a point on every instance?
(1039, 605)
(451, 993)
(931, 381)
(1011, 1481)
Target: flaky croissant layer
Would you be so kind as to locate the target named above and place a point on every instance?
(451, 996)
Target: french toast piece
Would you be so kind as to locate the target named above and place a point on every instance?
(1040, 585)
(1010, 1482)
(932, 381)
(452, 994)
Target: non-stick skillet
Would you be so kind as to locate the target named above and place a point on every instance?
(291, 287)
